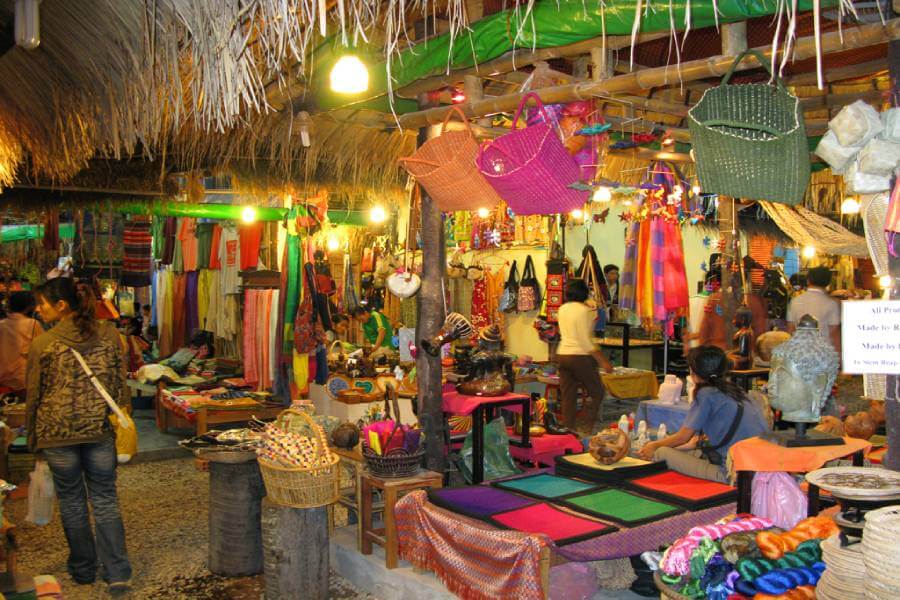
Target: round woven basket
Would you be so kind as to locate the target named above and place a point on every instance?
(881, 552)
(845, 575)
(396, 463)
(303, 487)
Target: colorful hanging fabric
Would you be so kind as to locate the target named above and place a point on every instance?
(761, 249)
(251, 239)
(191, 304)
(137, 259)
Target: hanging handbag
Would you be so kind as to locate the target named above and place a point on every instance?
(509, 301)
(529, 289)
(547, 330)
(307, 332)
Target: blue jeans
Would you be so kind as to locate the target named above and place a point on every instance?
(87, 471)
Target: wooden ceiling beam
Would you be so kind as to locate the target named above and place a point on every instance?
(855, 37)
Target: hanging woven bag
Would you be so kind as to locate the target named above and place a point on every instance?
(750, 140)
(445, 167)
(530, 168)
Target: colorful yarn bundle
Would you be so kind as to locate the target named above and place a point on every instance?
(779, 582)
(774, 545)
(677, 559)
(807, 554)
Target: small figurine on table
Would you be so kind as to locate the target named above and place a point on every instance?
(491, 371)
(741, 355)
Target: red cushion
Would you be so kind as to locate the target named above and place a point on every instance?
(560, 526)
(683, 486)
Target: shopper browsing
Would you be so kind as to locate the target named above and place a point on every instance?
(721, 412)
(376, 327)
(68, 422)
(816, 302)
(16, 333)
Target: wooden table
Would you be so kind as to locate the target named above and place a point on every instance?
(206, 416)
(349, 496)
(744, 377)
(625, 344)
(386, 537)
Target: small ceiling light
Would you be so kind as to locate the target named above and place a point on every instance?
(602, 194)
(483, 213)
(885, 281)
(349, 76)
(332, 242)
(850, 206)
(377, 214)
(577, 214)
(28, 24)
(457, 96)
(626, 202)
(668, 140)
(248, 214)
(695, 189)
(809, 251)
(304, 120)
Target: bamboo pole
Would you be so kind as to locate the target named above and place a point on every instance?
(734, 38)
(715, 66)
(518, 58)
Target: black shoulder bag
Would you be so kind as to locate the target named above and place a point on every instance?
(710, 452)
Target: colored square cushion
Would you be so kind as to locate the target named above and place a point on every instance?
(562, 527)
(683, 490)
(478, 501)
(545, 486)
(621, 506)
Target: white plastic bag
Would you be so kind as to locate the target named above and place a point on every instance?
(857, 182)
(879, 157)
(890, 118)
(776, 496)
(838, 157)
(40, 494)
(856, 124)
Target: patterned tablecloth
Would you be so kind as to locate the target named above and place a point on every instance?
(475, 560)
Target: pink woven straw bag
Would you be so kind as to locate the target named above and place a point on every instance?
(531, 169)
(445, 167)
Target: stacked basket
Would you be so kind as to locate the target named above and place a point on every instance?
(298, 471)
(881, 552)
(845, 574)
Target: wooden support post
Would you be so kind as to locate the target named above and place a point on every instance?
(474, 90)
(734, 38)
(295, 550)
(727, 226)
(892, 401)
(601, 64)
(430, 304)
(235, 539)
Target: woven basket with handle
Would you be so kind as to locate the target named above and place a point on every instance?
(445, 167)
(302, 487)
(531, 169)
(750, 140)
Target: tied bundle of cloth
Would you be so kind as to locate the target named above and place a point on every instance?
(292, 450)
(746, 557)
(385, 437)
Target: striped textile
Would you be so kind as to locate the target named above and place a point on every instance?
(657, 266)
(474, 560)
(138, 249)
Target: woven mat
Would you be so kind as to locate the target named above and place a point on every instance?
(476, 501)
(621, 506)
(545, 486)
(683, 490)
(560, 526)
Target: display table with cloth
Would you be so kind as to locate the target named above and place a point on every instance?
(480, 407)
(629, 385)
(544, 449)
(656, 413)
(756, 454)
(185, 412)
(474, 559)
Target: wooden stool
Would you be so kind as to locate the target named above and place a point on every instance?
(386, 537)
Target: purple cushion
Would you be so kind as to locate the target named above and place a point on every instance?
(477, 500)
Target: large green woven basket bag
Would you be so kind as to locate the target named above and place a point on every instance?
(749, 140)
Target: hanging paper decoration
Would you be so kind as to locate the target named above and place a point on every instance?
(653, 281)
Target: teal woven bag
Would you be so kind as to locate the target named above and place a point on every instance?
(749, 140)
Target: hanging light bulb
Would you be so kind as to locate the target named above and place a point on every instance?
(695, 189)
(483, 213)
(333, 242)
(248, 214)
(602, 194)
(349, 76)
(809, 252)
(28, 24)
(885, 281)
(377, 214)
(304, 120)
(577, 214)
(850, 206)
(457, 96)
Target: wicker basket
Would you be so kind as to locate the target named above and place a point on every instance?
(302, 487)
(750, 140)
(665, 591)
(396, 463)
(445, 167)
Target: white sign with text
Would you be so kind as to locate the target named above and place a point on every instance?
(870, 336)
